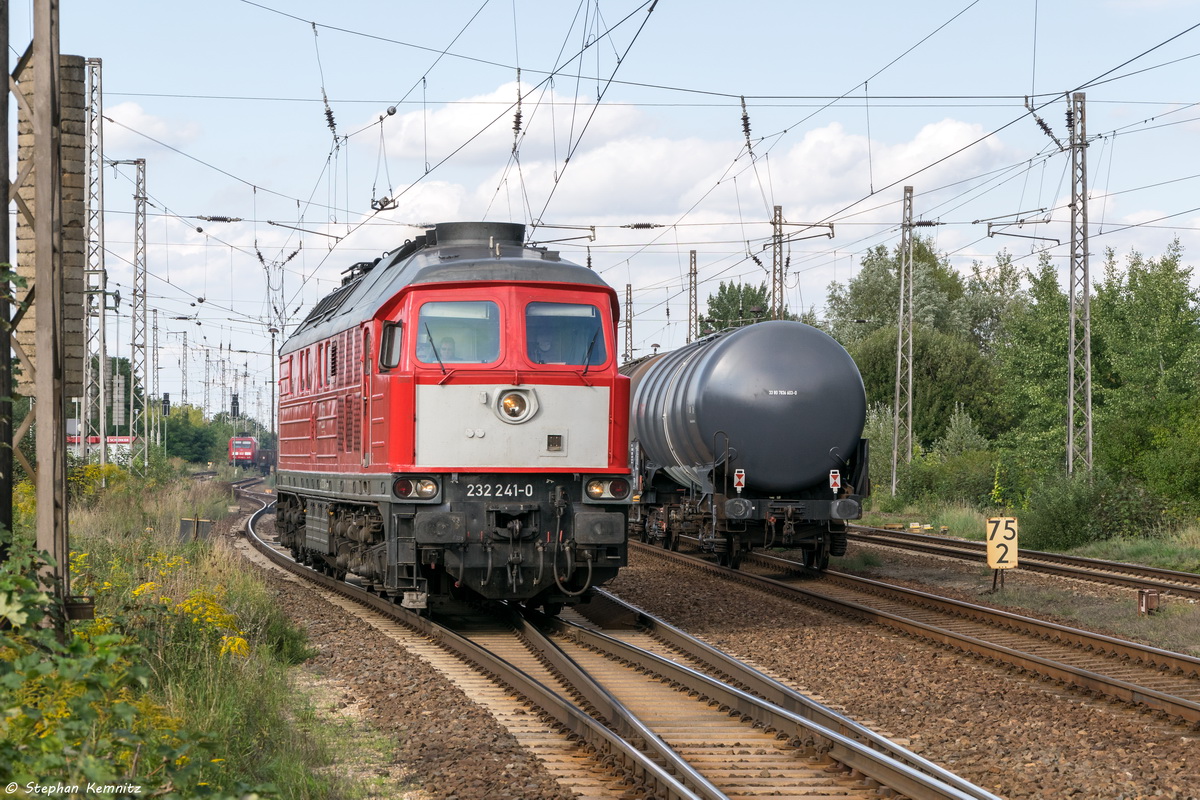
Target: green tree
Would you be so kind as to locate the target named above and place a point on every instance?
(1031, 357)
(187, 436)
(1147, 365)
(735, 305)
(870, 300)
(948, 373)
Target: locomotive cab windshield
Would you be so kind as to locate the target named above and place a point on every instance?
(564, 333)
(458, 332)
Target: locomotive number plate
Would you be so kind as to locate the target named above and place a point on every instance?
(499, 490)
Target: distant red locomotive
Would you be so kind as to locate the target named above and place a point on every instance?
(453, 424)
(243, 451)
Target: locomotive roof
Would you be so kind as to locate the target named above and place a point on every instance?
(448, 253)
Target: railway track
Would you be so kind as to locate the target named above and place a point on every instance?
(1134, 576)
(1157, 679)
(614, 690)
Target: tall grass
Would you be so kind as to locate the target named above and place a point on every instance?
(198, 652)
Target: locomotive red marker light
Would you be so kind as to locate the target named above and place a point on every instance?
(402, 487)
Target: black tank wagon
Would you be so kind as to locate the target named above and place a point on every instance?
(750, 437)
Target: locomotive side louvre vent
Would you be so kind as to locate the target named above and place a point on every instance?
(356, 422)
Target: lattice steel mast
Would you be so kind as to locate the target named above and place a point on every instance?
(629, 322)
(693, 331)
(1079, 353)
(777, 304)
(95, 405)
(902, 403)
(139, 450)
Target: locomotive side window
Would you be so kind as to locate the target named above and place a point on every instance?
(458, 332)
(390, 345)
(564, 333)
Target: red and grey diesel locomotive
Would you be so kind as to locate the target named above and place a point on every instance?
(453, 425)
(243, 450)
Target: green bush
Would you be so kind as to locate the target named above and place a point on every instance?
(1065, 511)
(77, 710)
(967, 477)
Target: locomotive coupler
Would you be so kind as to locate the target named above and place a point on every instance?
(514, 570)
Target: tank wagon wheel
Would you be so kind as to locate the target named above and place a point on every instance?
(552, 609)
(817, 559)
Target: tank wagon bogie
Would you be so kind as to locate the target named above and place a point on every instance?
(750, 437)
(453, 425)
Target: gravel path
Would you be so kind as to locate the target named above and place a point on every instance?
(446, 746)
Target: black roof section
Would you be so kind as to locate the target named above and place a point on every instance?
(449, 252)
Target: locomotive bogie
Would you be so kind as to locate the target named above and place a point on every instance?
(500, 536)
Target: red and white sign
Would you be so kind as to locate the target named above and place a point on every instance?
(835, 479)
(739, 479)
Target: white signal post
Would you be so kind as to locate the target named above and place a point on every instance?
(1001, 546)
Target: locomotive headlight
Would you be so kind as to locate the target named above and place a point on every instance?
(607, 488)
(515, 405)
(426, 488)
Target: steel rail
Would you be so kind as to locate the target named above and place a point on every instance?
(1184, 709)
(843, 749)
(1134, 576)
(625, 722)
(775, 692)
(623, 755)
(1097, 642)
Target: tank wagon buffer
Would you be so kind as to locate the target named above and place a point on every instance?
(453, 426)
(749, 438)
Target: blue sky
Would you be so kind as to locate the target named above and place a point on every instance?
(846, 104)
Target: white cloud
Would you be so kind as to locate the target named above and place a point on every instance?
(479, 129)
(131, 120)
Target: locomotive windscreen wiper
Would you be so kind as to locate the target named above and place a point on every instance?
(587, 357)
(433, 347)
